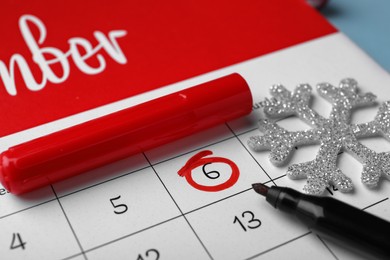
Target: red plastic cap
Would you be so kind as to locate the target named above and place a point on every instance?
(116, 136)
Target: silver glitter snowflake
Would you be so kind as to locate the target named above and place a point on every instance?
(333, 134)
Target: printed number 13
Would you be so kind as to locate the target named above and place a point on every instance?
(252, 223)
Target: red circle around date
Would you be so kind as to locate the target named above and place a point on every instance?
(199, 160)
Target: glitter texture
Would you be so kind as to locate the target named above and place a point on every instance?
(333, 134)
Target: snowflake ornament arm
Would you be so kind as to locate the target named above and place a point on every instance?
(280, 141)
(288, 103)
(333, 134)
(344, 98)
(375, 164)
(322, 171)
(379, 126)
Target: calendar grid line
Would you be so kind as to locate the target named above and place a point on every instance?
(369, 206)
(193, 150)
(160, 162)
(163, 161)
(327, 247)
(246, 131)
(25, 209)
(376, 203)
(131, 234)
(143, 168)
(185, 218)
(197, 236)
(154, 170)
(227, 125)
(72, 256)
(217, 201)
(174, 157)
(103, 182)
(70, 225)
(278, 246)
(279, 177)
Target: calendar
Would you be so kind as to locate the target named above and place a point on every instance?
(141, 208)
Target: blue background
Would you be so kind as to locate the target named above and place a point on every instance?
(366, 22)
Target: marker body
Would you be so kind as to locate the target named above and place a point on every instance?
(116, 136)
(336, 221)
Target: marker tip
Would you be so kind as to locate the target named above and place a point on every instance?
(260, 188)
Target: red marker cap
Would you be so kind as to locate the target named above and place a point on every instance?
(86, 146)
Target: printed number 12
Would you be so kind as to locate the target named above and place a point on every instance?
(152, 253)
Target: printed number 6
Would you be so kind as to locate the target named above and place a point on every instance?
(209, 175)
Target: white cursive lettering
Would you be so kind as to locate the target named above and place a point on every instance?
(39, 56)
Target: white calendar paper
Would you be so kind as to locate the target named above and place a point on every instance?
(140, 208)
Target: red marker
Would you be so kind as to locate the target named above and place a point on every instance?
(86, 146)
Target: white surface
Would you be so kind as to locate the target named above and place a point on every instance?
(76, 220)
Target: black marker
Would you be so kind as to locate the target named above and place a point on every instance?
(333, 220)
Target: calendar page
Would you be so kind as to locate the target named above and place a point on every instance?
(141, 208)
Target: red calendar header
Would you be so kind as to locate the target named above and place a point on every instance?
(61, 58)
